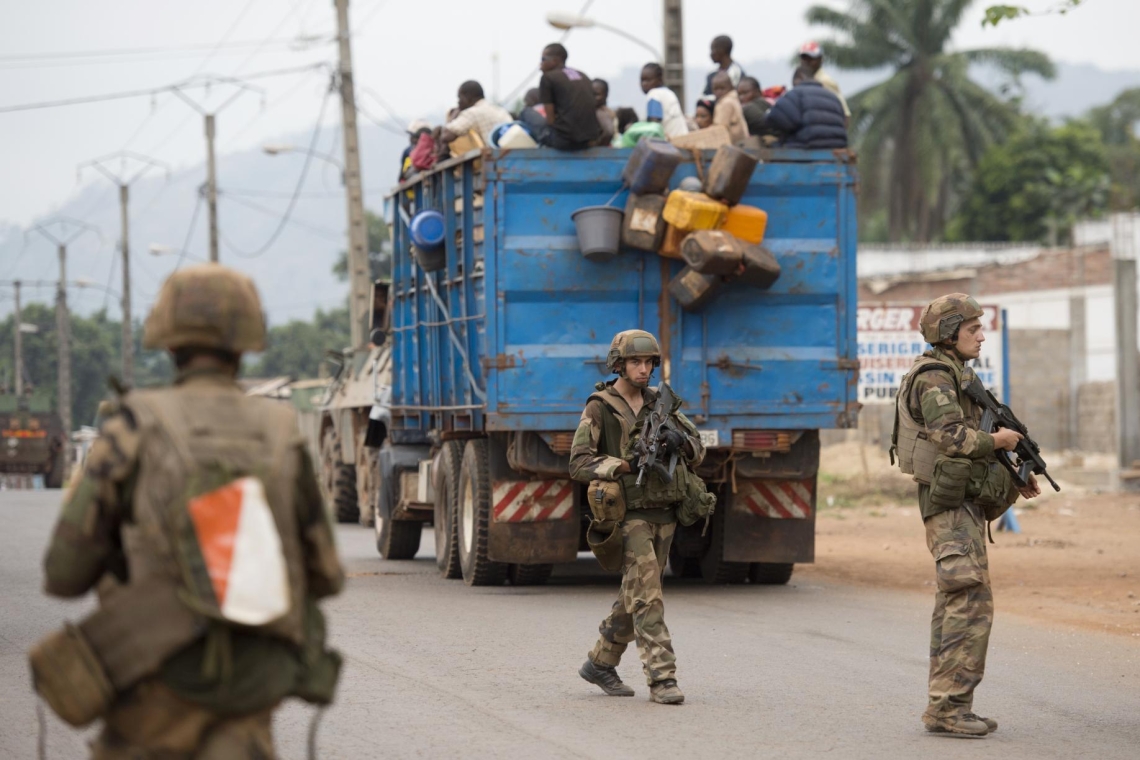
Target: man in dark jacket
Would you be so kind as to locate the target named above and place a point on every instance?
(567, 95)
(808, 116)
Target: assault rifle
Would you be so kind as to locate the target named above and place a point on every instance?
(649, 448)
(1026, 457)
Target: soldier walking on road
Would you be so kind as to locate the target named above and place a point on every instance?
(961, 485)
(634, 522)
(199, 518)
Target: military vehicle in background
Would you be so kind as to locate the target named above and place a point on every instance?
(361, 379)
(32, 437)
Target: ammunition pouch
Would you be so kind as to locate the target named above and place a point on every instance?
(607, 501)
(698, 503)
(68, 675)
(951, 478)
(992, 488)
(605, 540)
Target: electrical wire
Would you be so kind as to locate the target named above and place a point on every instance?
(316, 229)
(189, 232)
(386, 125)
(300, 181)
(272, 104)
(522, 85)
(144, 50)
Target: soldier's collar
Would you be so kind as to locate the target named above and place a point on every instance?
(948, 356)
(213, 375)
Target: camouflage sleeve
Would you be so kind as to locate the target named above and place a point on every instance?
(945, 422)
(322, 566)
(694, 448)
(85, 543)
(586, 463)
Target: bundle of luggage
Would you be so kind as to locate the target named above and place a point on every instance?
(701, 222)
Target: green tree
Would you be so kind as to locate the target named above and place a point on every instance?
(928, 124)
(1036, 185)
(379, 250)
(297, 348)
(1116, 123)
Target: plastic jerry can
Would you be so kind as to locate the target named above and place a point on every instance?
(729, 173)
(746, 222)
(644, 225)
(712, 252)
(651, 166)
(692, 289)
(760, 267)
(694, 211)
(671, 243)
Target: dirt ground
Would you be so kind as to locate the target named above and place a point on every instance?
(1075, 562)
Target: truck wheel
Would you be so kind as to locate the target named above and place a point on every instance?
(446, 496)
(397, 539)
(683, 567)
(474, 513)
(53, 478)
(338, 481)
(344, 499)
(771, 573)
(714, 568)
(367, 469)
(529, 575)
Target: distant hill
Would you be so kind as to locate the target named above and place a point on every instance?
(295, 273)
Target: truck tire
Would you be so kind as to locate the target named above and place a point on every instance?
(474, 516)
(446, 496)
(529, 575)
(53, 478)
(367, 475)
(397, 539)
(770, 573)
(714, 568)
(683, 567)
(338, 480)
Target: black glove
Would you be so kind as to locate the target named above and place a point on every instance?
(671, 441)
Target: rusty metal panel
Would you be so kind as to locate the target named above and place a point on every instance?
(770, 521)
(534, 543)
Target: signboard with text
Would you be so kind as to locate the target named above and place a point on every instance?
(889, 342)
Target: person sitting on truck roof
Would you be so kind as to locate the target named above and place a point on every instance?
(753, 103)
(475, 113)
(567, 95)
(626, 117)
(672, 115)
(703, 116)
(720, 50)
(607, 119)
(808, 116)
(728, 112)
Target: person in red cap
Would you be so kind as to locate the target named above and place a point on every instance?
(811, 56)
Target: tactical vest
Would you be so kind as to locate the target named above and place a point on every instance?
(916, 453)
(196, 438)
(617, 439)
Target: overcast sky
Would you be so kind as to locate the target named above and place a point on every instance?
(411, 55)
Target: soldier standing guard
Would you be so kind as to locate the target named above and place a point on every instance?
(199, 517)
(961, 484)
(634, 523)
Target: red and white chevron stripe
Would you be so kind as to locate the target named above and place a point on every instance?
(783, 499)
(532, 500)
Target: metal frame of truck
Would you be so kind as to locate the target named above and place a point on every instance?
(494, 355)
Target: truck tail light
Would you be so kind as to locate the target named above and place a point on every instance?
(560, 443)
(762, 440)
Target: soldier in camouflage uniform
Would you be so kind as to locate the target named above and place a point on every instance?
(613, 417)
(938, 441)
(214, 695)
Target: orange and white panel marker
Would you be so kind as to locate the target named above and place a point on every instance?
(242, 549)
(532, 500)
(782, 499)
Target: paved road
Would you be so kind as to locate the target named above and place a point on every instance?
(436, 669)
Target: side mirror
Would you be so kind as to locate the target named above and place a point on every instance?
(377, 337)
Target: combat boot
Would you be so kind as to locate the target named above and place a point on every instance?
(666, 692)
(605, 678)
(966, 724)
(988, 721)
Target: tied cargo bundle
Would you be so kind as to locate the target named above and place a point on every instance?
(729, 174)
(713, 252)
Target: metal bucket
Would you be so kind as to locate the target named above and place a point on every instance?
(599, 231)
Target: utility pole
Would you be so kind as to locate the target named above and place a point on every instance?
(211, 190)
(674, 48)
(360, 280)
(124, 180)
(18, 339)
(63, 319)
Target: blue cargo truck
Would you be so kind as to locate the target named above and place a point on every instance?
(497, 341)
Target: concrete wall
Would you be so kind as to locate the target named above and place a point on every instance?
(1039, 385)
(1096, 406)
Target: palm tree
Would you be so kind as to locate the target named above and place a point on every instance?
(920, 131)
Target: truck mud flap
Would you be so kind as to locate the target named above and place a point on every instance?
(770, 521)
(534, 521)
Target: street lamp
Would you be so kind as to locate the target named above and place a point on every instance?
(277, 149)
(158, 249)
(566, 21)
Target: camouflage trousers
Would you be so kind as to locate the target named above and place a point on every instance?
(151, 722)
(963, 609)
(639, 612)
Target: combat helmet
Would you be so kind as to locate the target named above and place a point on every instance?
(630, 343)
(943, 315)
(206, 306)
